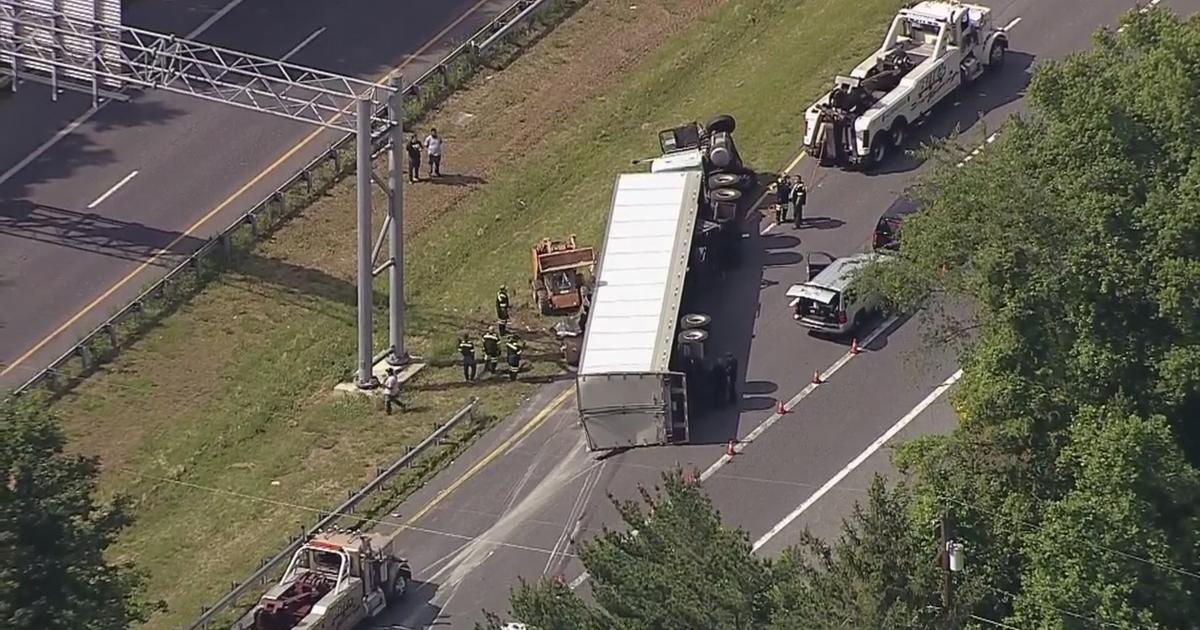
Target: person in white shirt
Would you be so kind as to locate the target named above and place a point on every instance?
(433, 147)
(391, 391)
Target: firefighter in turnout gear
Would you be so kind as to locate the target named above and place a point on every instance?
(513, 348)
(783, 198)
(491, 350)
(502, 306)
(466, 347)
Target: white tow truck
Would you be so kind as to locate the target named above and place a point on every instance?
(931, 49)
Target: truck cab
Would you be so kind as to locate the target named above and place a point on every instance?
(333, 582)
(930, 50)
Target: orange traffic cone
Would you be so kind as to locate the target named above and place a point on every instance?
(854, 346)
(780, 408)
(816, 377)
(729, 450)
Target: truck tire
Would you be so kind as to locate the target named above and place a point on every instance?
(899, 132)
(996, 55)
(725, 194)
(725, 179)
(695, 321)
(721, 124)
(880, 149)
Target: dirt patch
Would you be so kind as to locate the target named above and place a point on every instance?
(502, 116)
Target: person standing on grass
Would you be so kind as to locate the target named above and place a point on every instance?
(391, 391)
(433, 146)
(414, 158)
(467, 348)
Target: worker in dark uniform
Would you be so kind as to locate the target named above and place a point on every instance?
(491, 350)
(513, 348)
(584, 310)
(466, 347)
(502, 306)
(799, 197)
(725, 375)
(783, 198)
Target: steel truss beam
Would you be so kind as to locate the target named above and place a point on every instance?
(33, 37)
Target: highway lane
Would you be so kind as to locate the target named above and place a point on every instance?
(517, 515)
(200, 165)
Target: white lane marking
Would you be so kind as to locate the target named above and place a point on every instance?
(977, 150)
(212, 19)
(1015, 21)
(857, 461)
(85, 116)
(770, 226)
(108, 193)
(304, 42)
(45, 146)
(1146, 8)
(753, 435)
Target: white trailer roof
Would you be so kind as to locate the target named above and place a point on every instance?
(640, 273)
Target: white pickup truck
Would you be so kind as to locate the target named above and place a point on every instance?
(930, 50)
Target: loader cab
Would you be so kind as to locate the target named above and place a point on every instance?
(828, 302)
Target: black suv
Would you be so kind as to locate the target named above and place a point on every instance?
(887, 230)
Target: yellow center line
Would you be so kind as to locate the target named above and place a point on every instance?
(287, 155)
(503, 448)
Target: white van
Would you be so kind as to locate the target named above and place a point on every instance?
(826, 302)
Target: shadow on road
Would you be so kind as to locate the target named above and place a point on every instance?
(93, 233)
(961, 111)
(74, 150)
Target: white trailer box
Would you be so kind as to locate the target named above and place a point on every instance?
(627, 394)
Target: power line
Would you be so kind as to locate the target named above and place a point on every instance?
(1093, 545)
(993, 622)
(1064, 611)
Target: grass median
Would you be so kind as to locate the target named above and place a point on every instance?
(221, 422)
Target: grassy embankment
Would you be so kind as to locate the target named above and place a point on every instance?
(233, 390)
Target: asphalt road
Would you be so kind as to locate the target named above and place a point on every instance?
(70, 256)
(516, 502)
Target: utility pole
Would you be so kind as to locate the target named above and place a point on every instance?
(947, 579)
(396, 321)
(364, 379)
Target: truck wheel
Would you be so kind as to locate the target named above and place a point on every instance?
(721, 124)
(695, 321)
(879, 149)
(899, 132)
(725, 194)
(726, 180)
(996, 56)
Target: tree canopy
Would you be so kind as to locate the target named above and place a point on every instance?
(53, 534)
(1065, 262)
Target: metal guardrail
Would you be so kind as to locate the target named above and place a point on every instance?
(259, 578)
(314, 178)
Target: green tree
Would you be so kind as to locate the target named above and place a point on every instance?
(674, 566)
(53, 534)
(1112, 550)
(879, 573)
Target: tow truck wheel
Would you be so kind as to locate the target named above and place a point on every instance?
(899, 132)
(721, 124)
(996, 56)
(879, 149)
(725, 194)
